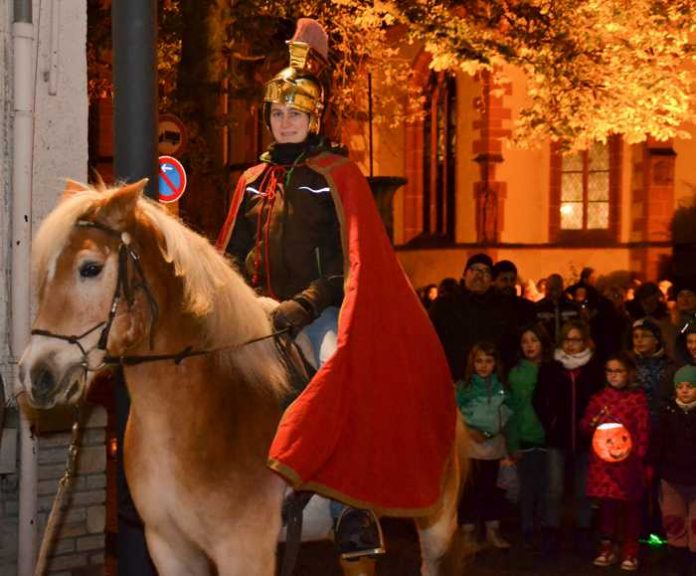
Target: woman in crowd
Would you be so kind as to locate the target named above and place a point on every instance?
(560, 399)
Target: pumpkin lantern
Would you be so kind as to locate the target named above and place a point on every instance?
(612, 442)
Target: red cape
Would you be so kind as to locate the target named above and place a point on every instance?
(375, 426)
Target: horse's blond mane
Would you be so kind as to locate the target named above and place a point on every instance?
(214, 292)
(212, 288)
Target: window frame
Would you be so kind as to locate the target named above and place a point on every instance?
(439, 174)
(586, 236)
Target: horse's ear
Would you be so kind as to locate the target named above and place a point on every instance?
(72, 187)
(121, 206)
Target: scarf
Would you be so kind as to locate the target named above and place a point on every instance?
(684, 406)
(572, 361)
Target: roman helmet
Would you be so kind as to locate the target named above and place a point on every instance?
(299, 85)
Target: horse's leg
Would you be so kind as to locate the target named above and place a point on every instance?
(437, 531)
(249, 546)
(175, 556)
(250, 554)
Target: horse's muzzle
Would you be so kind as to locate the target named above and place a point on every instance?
(46, 389)
(42, 386)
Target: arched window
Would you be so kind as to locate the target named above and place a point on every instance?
(439, 156)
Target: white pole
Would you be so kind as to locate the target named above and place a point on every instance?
(22, 172)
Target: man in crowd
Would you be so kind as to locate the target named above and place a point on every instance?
(555, 309)
(519, 311)
(473, 314)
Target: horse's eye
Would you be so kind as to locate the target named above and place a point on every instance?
(90, 269)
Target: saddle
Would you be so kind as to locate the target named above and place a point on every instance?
(298, 368)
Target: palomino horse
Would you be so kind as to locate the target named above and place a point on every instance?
(120, 279)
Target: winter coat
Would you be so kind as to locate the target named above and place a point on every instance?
(560, 399)
(673, 445)
(484, 405)
(624, 480)
(554, 313)
(286, 239)
(524, 430)
(654, 374)
(464, 318)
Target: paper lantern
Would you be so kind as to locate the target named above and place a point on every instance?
(612, 442)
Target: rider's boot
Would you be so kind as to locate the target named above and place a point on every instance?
(358, 534)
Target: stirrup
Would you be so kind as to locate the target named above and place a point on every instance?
(358, 534)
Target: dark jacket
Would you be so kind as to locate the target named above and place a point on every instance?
(560, 400)
(287, 238)
(654, 374)
(673, 444)
(465, 318)
(553, 314)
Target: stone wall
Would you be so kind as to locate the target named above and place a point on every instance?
(79, 547)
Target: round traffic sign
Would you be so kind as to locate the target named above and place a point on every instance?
(171, 137)
(172, 179)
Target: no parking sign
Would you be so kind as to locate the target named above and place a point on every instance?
(172, 179)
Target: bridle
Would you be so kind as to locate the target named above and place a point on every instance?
(125, 289)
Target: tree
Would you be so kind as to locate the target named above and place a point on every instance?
(593, 67)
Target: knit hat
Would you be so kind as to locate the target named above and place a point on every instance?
(479, 258)
(650, 326)
(686, 374)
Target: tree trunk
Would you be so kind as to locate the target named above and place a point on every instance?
(198, 96)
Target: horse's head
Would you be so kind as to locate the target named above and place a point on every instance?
(84, 270)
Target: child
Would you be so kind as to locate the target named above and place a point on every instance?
(524, 432)
(654, 367)
(674, 441)
(654, 373)
(481, 398)
(619, 420)
(686, 343)
(561, 396)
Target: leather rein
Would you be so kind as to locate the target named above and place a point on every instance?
(125, 290)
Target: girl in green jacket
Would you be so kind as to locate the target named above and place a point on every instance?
(524, 433)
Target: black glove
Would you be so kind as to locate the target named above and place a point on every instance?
(293, 315)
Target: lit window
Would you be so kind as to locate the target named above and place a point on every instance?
(586, 194)
(585, 189)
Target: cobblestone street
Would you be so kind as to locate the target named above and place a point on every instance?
(402, 559)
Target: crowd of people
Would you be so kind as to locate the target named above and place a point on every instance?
(583, 400)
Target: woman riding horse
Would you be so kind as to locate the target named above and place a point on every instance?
(121, 282)
(303, 229)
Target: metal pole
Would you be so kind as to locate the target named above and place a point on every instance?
(134, 35)
(22, 176)
(134, 32)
